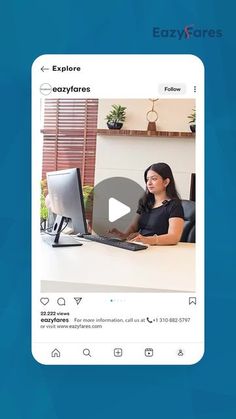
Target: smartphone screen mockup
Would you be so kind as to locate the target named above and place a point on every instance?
(118, 155)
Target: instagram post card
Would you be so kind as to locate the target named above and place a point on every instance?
(117, 209)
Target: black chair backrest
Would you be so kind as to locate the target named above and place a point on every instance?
(189, 221)
(191, 236)
(192, 196)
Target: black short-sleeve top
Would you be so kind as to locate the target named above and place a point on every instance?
(156, 220)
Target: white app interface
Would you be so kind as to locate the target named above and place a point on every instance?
(118, 209)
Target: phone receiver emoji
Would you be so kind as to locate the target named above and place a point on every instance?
(149, 321)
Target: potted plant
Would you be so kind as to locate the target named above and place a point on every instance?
(43, 208)
(192, 121)
(88, 205)
(88, 197)
(116, 117)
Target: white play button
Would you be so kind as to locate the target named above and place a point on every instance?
(115, 202)
(117, 210)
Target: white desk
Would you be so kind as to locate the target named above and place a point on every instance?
(95, 267)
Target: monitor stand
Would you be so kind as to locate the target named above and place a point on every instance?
(62, 241)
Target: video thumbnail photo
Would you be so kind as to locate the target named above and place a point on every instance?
(117, 205)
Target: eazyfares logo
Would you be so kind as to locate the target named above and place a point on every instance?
(187, 32)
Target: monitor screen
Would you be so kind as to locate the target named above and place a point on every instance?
(66, 199)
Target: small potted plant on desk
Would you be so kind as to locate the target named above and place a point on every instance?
(116, 117)
(192, 116)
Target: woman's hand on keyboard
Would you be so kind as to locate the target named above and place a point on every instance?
(117, 233)
(152, 240)
(132, 236)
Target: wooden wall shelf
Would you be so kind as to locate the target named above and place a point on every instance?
(139, 133)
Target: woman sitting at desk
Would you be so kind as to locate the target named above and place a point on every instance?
(160, 216)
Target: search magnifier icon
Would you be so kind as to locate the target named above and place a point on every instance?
(86, 352)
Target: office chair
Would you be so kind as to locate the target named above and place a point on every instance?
(192, 195)
(191, 236)
(188, 235)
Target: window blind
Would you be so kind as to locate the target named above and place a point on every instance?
(70, 136)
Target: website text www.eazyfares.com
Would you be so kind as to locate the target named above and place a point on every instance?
(116, 268)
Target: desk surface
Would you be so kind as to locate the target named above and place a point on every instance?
(95, 267)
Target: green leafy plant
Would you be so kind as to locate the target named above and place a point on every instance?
(43, 208)
(117, 114)
(192, 116)
(88, 197)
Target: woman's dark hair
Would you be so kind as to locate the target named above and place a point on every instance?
(148, 200)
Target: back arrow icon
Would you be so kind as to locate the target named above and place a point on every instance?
(44, 68)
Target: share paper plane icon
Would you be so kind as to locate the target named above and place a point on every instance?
(77, 300)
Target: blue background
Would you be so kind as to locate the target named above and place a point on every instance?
(32, 391)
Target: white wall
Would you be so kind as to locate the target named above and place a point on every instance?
(130, 156)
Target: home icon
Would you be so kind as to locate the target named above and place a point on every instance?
(55, 353)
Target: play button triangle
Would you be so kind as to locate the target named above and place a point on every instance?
(117, 209)
(115, 201)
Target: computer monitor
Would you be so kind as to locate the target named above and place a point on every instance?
(66, 201)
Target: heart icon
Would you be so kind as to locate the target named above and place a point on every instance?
(44, 301)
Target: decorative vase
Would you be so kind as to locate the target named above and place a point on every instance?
(114, 125)
(193, 127)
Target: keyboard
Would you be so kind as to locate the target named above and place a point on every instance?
(116, 243)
